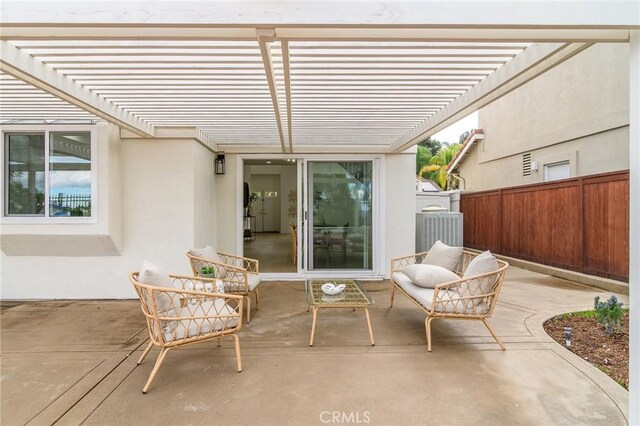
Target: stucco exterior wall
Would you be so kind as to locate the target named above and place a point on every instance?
(204, 202)
(226, 207)
(146, 190)
(400, 201)
(578, 111)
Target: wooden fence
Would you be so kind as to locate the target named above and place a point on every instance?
(581, 224)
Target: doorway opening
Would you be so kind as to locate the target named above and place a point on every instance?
(270, 214)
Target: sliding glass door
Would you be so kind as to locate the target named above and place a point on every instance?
(339, 215)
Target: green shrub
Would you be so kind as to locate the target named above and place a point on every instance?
(609, 313)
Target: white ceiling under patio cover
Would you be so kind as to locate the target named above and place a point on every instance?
(270, 89)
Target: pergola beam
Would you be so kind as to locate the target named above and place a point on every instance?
(258, 13)
(532, 62)
(20, 65)
(264, 37)
(287, 90)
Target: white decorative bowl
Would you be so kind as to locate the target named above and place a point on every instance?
(331, 289)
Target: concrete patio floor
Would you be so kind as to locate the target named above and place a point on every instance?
(74, 362)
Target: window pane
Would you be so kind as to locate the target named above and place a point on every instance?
(25, 191)
(341, 208)
(557, 171)
(70, 174)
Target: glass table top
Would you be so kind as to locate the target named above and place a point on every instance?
(352, 296)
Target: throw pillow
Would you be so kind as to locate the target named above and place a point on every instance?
(442, 255)
(151, 274)
(429, 276)
(209, 253)
(481, 264)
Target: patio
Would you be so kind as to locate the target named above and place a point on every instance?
(75, 362)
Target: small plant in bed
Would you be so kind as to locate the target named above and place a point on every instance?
(599, 336)
(609, 313)
(208, 272)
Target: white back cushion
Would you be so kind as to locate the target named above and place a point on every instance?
(207, 253)
(442, 255)
(429, 276)
(151, 274)
(481, 264)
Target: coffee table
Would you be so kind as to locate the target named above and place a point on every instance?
(353, 296)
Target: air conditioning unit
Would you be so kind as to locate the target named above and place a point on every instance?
(431, 227)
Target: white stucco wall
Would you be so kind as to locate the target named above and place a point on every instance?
(400, 203)
(578, 111)
(226, 207)
(147, 191)
(204, 212)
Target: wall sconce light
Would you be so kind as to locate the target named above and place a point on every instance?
(535, 166)
(220, 164)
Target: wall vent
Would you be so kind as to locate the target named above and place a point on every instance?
(526, 164)
(431, 227)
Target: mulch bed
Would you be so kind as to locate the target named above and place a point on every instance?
(608, 352)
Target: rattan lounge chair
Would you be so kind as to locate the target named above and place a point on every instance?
(183, 316)
(471, 298)
(241, 275)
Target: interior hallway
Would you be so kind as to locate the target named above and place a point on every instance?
(273, 250)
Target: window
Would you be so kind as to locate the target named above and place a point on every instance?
(557, 171)
(49, 174)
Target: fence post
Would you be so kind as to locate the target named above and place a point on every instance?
(582, 239)
(500, 220)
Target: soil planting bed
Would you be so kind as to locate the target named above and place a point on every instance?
(608, 352)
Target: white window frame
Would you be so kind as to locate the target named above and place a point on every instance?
(47, 130)
(547, 166)
(378, 205)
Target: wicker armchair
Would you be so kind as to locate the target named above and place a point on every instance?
(240, 275)
(471, 298)
(186, 314)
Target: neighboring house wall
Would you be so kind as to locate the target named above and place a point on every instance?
(578, 111)
(155, 202)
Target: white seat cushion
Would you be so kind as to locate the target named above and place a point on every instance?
(424, 296)
(254, 280)
(181, 329)
(429, 276)
(441, 254)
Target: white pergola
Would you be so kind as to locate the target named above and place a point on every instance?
(303, 77)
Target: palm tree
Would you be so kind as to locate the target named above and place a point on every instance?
(438, 166)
